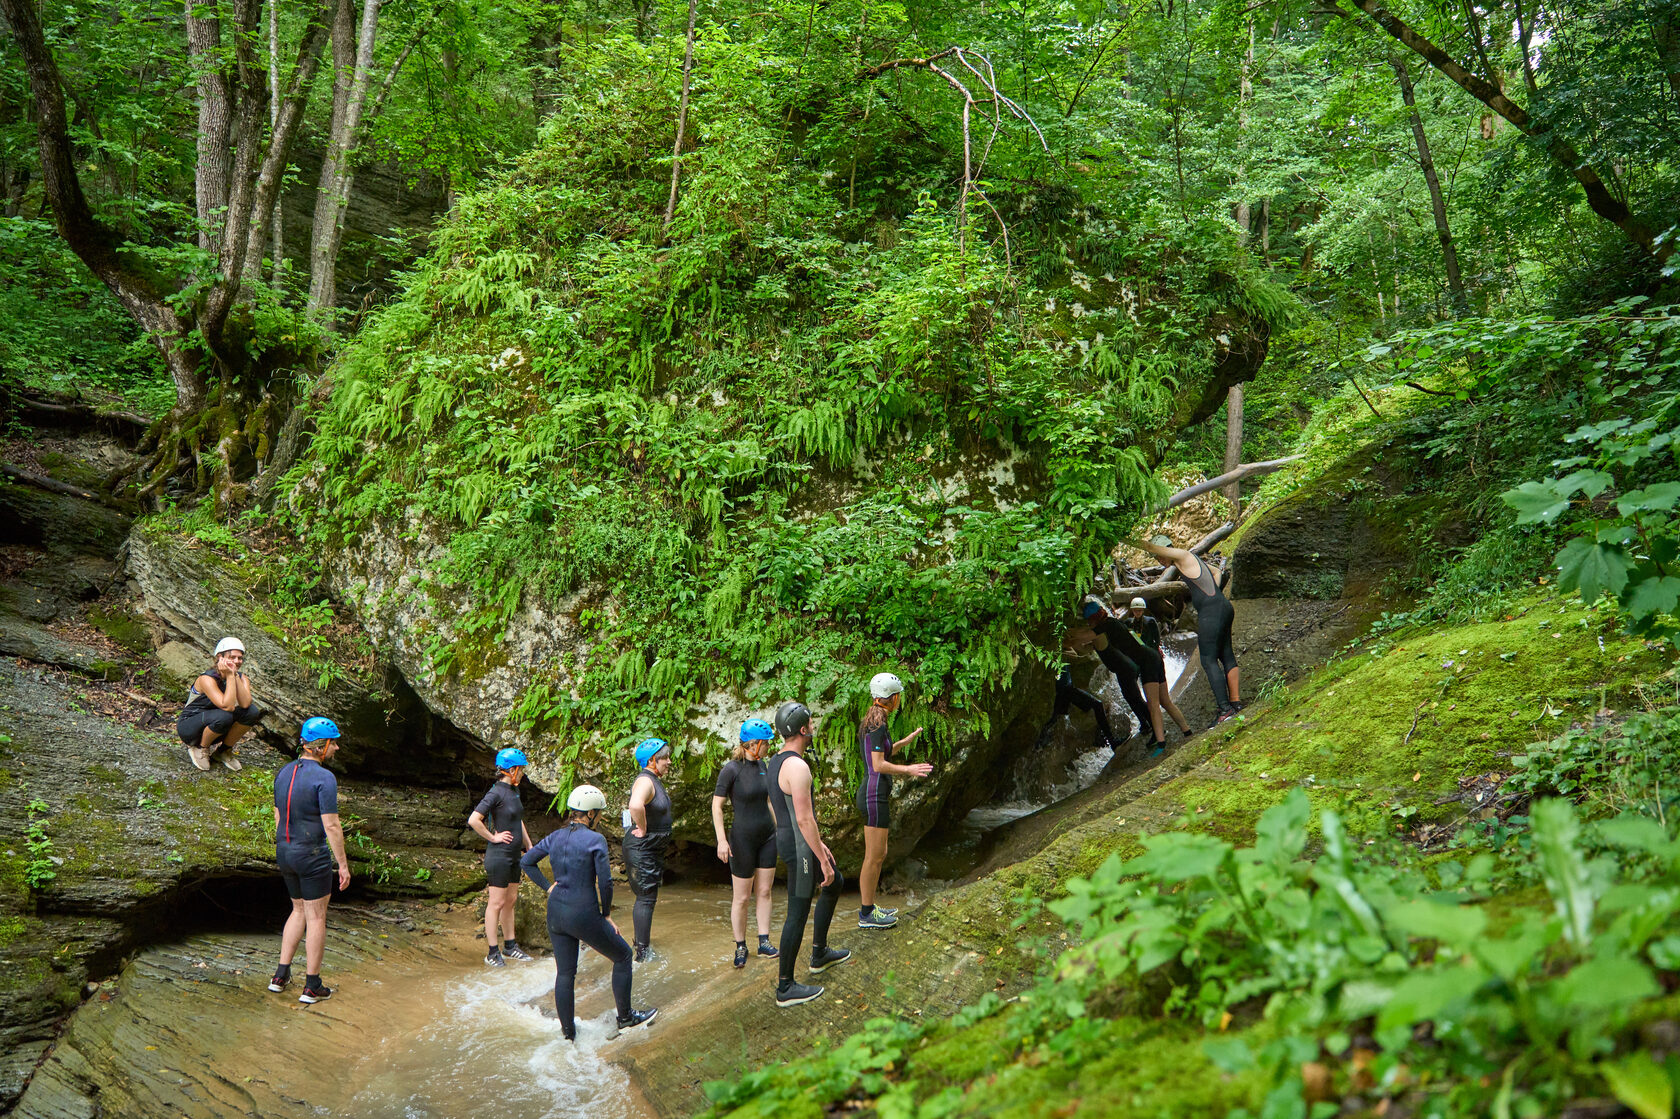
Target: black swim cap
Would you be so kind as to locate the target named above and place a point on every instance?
(792, 718)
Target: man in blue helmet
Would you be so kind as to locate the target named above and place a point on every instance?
(500, 820)
(308, 840)
(647, 834)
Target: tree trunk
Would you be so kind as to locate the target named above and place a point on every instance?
(352, 60)
(1245, 90)
(1233, 446)
(682, 120)
(215, 118)
(1603, 202)
(1666, 36)
(1437, 200)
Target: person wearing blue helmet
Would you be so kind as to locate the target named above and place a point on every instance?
(647, 834)
(308, 839)
(500, 820)
(750, 846)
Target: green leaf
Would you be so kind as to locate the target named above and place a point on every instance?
(1454, 925)
(1231, 1054)
(1641, 1084)
(1556, 831)
(1652, 499)
(1592, 568)
(1652, 595)
(1282, 831)
(1424, 994)
(1605, 982)
(1536, 502)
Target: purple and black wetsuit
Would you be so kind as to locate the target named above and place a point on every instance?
(874, 797)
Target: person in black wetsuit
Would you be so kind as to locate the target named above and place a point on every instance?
(750, 846)
(647, 835)
(1147, 629)
(308, 839)
(1069, 696)
(1112, 635)
(219, 709)
(1214, 618)
(580, 907)
(811, 871)
(500, 820)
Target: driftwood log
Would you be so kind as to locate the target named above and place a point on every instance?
(1247, 470)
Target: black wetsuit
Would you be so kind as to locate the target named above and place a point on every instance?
(804, 877)
(874, 795)
(1148, 631)
(1214, 616)
(644, 858)
(577, 912)
(752, 833)
(304, 791)
(1150, 668)
(1126, 675)
(1069, 696)
(502, 811)
(200, 713)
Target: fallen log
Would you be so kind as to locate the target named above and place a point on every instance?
(1247, 470)
(51, 485)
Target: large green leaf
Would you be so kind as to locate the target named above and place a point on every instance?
(1457, 926)
(1592, 568)
(1424, 994)
(1536, 502)
(1556, 831)
(1641, 1085)
(1652, 499)
(1652, 595)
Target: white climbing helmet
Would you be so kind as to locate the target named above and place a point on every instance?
(229, 644)
(587, 798)
(884, 685)
(1139, 604)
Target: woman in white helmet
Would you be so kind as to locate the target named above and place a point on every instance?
(219, 709)
(579, 904)
(874, 797)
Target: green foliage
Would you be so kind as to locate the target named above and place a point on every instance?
(40, 869)
(1615, 768)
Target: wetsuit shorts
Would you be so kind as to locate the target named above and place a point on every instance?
(502, 870)
(750, 853)
(308, 874)
(190, 726)
(874, 801)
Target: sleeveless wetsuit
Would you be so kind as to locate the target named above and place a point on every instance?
(752, 834)
(199, 713)
(1122, 639)
(1214, 616)
(577, 913)
(644, 858)
(502, 811)
(804, 874)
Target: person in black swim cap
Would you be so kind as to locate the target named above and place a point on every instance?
(812, 872)
(1114, 635)
(580, 907)
(750, 845)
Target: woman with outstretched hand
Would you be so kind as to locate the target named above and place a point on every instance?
(874, 798)
(1214, 619)
(500, 820)
(580, 907)
(750, 845)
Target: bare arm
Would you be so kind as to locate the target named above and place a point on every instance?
(335, 839)
(640, 793)
(526, 832)
(1186, 560)
(210, 686)
(805, 814)
(241, 690)
(477, 824)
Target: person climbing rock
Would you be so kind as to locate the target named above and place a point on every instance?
(647, 835)
(1145, 627)
(308, 840)
(219, 709)
(580, 907)
(1125, 673)
(1214, 618)
(1069, 696)
(500, 820)
(811, 870)
(1113, 635)
(874, 796)
(750, 845)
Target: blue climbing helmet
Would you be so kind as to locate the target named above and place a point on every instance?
(756, 730)
(647, 749)
(1091, 607)
(316, 728)
(508, 757)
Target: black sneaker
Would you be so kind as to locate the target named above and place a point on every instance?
(795, 993)
(513, 951)
(766, 949)
(279, 982)
(494, 959)
(741, 954)
(824, 958)
(637, 1018)
(316, 994)
(643, 953)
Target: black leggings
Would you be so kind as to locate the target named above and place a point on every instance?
(793, 925)
(1069, 696)
(1126, 675)
(1213, 642)
(567, 926)
(644, 865)
(190, 725)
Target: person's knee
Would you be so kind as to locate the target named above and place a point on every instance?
(219, 721)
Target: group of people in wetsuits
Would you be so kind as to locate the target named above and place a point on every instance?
(1129, 646)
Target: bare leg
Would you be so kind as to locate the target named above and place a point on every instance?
(233, 736)
(740, 890)
(1231, 682)
(1153, 693)
(315, 933)
(208, 738)
(764, 879)
(874, 858)
(492, 917)
(292, 933)
(1171, 708)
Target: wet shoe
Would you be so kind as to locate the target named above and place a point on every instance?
(200, 757)
(824, 958)
(315, 994)
(231, 760)
(494, 959)
(638, 1018)
(766, 949)
(643, 953)
(1157, 748)
(513, 951)
(279, 982)
(795, 993)
(876, 918)
(741, 954)
(885, 912)
(1228, 713)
